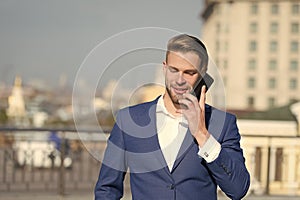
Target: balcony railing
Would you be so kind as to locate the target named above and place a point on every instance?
(31, 160)
(273, 163)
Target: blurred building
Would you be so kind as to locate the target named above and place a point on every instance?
(272, 152)
(256, 45)
(151, 91)
(16, 111)
(148, 93)
(16, 104)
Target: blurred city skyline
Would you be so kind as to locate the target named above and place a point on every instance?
(46, 42)
(255, 46)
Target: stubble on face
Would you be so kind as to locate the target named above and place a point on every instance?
(176, 97)
(180, 75)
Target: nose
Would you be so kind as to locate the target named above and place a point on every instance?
(180, 79)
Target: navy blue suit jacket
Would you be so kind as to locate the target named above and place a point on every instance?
(133, 145)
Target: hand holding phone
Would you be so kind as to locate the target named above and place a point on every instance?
(194, 109)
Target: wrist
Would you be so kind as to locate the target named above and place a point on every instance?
(202, 137)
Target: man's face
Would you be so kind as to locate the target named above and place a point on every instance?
(181, 74)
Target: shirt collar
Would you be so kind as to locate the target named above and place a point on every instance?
(161, 108)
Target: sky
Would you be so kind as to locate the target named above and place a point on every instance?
(43, 41)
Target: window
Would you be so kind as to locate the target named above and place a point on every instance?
(217, 9)
(225, 46)
(252, 46)
(225, 81)
(217, 62)
(272, 83)
(273, 46)
(274, 27)
(225, 63)
(278, 164)
(251, 102)
(295, 27)
(294, 46)
(217, 46)
(226, 28)
(271, 102)
(294, 65)
(258, 162)
(251, 82)
(295, 8)
(272, 65)
(252, 64)
(253, 27)
(274, 9)
(218, 27)
(254, 8)
(293, 84)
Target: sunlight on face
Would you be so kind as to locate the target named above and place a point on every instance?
(181, 74)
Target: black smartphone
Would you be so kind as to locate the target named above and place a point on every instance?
(206, 80)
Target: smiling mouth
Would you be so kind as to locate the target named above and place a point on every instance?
(180, 91)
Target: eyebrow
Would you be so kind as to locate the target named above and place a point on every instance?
(185, 71)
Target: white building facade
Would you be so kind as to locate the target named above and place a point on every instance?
(256, 46)
(272, 153)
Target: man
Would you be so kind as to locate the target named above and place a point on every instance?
(175, 147)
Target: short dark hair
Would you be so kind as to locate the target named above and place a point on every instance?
(186, 43)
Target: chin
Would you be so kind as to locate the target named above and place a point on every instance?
(175, 98)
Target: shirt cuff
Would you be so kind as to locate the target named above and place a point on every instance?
(210, 150)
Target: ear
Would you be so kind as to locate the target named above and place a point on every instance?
(202, 72)
(164, 67)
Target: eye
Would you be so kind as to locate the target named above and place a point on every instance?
(173, 70)
(191, 73)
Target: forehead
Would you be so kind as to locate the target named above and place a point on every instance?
(187, 60)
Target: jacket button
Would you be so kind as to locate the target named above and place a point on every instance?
(171, 187)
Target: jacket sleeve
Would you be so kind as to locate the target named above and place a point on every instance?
(110, 181)
(229, 168)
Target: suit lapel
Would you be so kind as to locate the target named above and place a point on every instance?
(185, 147)
(189, 140)
(153, 127)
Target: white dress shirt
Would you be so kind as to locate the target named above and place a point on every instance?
(171, 131)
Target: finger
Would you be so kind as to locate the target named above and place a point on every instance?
(186, 103)
(202, 98)
(191, 98)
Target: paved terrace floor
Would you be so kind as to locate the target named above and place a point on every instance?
(87, 196)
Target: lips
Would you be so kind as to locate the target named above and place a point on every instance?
(179, 91)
